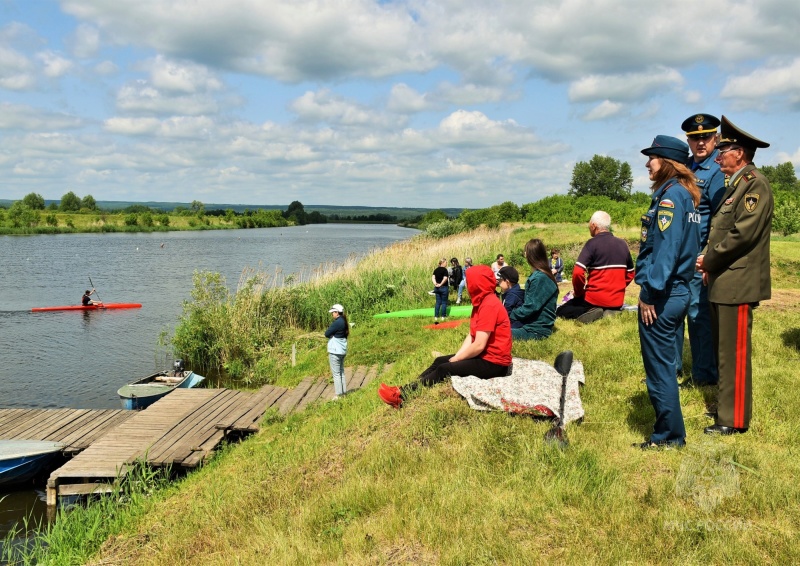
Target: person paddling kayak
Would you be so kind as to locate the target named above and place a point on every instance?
(87, 301)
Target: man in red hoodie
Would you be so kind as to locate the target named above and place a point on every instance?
(485, 352)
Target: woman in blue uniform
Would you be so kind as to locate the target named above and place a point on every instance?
(669, 246)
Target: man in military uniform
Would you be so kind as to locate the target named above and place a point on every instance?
(701, 133)
(735, 264)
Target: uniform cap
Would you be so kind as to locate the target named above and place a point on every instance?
(668, 147)
(700, 124)
(730, 134)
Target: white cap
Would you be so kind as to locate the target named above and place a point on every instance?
(337, 308)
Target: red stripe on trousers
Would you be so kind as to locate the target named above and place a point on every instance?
(741, 367)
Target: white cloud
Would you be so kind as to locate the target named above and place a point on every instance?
(407, 100)
(754, 89)
(187, 78)
(140, 97)
(53, 64)
(23, 117)
(106, 68)
(602, 111)
(325, 106)
(626, 86)
(16, 70)
(468, 94)
(85, 41)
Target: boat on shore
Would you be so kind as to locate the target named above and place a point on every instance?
(24, 460)
(144, 392)
(104, 306)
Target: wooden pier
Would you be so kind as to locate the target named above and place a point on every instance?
(180, 430)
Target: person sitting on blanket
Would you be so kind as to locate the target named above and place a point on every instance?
(486, 350)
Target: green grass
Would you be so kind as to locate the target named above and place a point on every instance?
(355, 482)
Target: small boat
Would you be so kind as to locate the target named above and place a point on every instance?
(24, 460)
(104, 306)
(146, 391)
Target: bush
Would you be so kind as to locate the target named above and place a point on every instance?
(131, 220)
(163, 219)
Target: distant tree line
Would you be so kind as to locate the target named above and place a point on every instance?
(602, 183)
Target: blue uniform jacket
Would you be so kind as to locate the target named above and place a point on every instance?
(711, 182)
(670, 241)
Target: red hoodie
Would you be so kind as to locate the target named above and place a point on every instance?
(488, 315)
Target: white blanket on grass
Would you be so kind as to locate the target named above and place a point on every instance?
(533, 388)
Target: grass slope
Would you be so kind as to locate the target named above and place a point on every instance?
(355, 482)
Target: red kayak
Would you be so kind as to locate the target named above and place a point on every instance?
(89, 307)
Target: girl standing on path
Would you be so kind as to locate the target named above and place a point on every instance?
(338, 332)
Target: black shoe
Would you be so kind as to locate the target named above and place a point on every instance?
(724, 430)
(591, 315)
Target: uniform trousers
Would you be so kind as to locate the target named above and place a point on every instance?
(658, 354)
(732, 326)
(701, 343)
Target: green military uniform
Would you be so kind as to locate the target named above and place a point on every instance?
(737, 263)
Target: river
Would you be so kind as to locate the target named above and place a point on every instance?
(79, 359)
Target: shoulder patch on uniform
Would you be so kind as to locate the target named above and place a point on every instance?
(664, 219)
(666, 203)
(749, 176)
(751, 201)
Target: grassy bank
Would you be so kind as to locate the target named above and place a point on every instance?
(354, 482)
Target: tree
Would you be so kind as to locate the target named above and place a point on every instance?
(70, 202)
(198, 208)
(297, 213)
(34, 201)
(781, 177)
(602, 176)
(89, 203)
(21, 215)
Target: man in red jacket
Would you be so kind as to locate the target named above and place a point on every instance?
(603, 270)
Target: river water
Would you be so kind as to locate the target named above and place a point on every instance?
(79, 359)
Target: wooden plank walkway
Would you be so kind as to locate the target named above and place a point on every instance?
(180, 430)
(75, 428)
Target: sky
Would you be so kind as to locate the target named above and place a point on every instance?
(417, 103)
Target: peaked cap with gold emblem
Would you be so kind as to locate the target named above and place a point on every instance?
(700, 124)
(731, 135)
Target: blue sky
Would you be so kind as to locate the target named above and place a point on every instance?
(437, 103)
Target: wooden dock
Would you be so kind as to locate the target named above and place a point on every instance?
(180, 430)
(75, 428)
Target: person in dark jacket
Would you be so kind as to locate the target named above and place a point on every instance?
(456, 274)
(513, 296)
(337, 332)
(537, 314)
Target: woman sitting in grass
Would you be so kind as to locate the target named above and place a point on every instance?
(538, 313)
(485, 352)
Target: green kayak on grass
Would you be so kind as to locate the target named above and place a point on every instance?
(454, 310)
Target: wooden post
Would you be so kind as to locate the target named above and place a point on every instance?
(294, 354)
